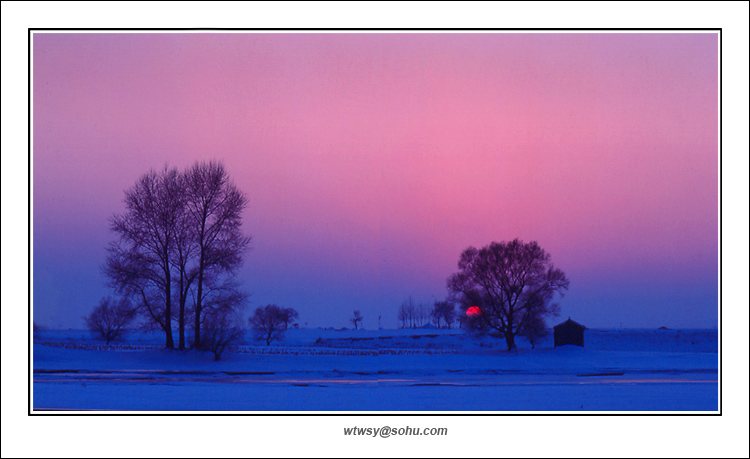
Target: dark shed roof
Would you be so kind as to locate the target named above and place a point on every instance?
(569, 324)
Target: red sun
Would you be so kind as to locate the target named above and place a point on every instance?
(473, 311)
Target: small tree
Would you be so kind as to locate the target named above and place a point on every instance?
(356, 319)
(220, 329)
(289, 315)
(445, 311)
(534, 330)
(268, 323)
(110, 317)
(449, 314)
(436, 316)
(220, 295)
(423, 314)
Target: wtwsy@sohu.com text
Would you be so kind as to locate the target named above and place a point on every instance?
(387, 431)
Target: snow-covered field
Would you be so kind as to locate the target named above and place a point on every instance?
(381, 370)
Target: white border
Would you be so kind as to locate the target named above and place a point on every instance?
(86, 436)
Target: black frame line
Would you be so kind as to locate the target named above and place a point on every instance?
(31, 31)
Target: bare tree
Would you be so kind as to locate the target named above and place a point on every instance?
(356, 319)
(449, 314)
(423, 314)
(179, 238)
(290, 315)
(110, 317)
(139, 264)
(219, 293)
(407, 313)
(413, 315)
(445, 311)
(510, 282)
(221, 327)
(183, 263)
(461, 320)
(268, 323)
(436, 317)
(215, 206)
(401, 315)
(534, 330)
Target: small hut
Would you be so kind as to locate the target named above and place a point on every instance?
(569, 332)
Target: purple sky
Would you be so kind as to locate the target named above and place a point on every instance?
(372, 160)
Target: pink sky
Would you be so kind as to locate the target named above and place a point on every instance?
(372, 160)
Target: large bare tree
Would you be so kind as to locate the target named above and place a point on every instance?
(215, 208)
(179, 239)
(184, 265)
(139, 263)
(512, 284)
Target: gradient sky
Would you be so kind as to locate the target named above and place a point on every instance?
(371, 161)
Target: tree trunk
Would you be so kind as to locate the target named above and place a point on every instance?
(510, 341)
(168, 315)
(181, 320)
(170, 339)
(182, 324)
(199, 301)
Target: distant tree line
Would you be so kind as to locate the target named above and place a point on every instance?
(177, 250)
(412, 315)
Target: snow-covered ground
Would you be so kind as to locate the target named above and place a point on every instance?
(381, 370)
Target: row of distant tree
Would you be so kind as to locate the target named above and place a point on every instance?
(442, 314)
